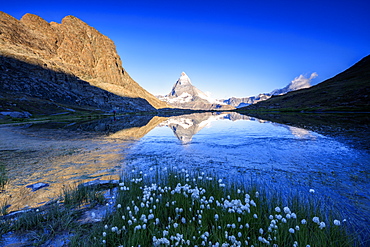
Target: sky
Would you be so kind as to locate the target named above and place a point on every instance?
(233, 48)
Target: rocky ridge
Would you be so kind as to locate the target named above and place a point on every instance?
(70, 63)
(348, 91)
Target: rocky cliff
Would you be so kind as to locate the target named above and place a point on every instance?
(186, 96)
(70, 59)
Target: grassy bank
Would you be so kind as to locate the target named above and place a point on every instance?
(171, 207)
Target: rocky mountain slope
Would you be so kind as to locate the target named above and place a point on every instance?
(347, 91)
(70, 63)
(186, 96)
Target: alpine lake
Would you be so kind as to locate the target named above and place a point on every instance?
(294, 154)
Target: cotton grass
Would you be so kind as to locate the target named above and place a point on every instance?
(178, 208)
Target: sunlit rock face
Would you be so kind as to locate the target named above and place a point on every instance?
(185, 95)
(71, 61)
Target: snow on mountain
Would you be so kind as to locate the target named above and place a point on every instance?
(185, 95)
(299, 82)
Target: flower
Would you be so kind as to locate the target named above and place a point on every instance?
(312, 191)
(337, 222)
(277, 209)
(291, 230)
(322, 225)
(104, 234)
(303, 222)
(287, 210)
(316, 220)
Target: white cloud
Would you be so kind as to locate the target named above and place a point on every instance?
(302, 82)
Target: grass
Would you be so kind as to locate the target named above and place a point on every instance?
(3, 177)
(171, 207)
(178, 208)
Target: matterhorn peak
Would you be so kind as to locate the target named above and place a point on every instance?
(184, 79)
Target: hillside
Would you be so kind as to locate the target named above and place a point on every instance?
(347, 91)
(69, 63)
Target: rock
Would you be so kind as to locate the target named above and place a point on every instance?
(17, 114)
(69, 63)
(37, 186)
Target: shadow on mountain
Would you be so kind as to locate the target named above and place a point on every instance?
(35, 88)
(352, 127)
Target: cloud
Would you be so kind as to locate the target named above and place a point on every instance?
(302, 82)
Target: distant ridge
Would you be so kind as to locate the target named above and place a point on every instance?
(347, 91)
(64, 56)
(299, 82)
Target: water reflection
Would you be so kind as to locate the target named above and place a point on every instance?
(65, 153)
(185, 127)
(232, 145)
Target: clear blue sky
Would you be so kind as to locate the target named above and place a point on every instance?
(229, 48)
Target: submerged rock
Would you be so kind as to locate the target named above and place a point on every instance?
(37, 186)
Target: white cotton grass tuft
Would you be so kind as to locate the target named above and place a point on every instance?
(166, 208)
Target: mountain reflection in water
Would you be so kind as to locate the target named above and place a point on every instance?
(65, 154)
(287, 156)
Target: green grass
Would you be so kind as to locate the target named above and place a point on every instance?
(3, 177)
(172, 207)
(177, 208)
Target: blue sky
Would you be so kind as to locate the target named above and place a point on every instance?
(228, 48)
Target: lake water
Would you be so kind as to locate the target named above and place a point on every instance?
(335, 163)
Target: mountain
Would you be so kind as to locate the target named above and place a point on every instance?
(347, 91)
(69, 63)
(186, 96)
(299, 82)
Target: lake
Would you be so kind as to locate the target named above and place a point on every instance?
(333, 158)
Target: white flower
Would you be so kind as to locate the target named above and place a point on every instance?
(312, 191)
(291, 230)
(183, 220)
(337, 222)
(119, 206)
(261, 231)
(297, 228)
(277, 209)
(104, 234)
(216, 216)
(106, 226)
(255, 216)
(316, 220)
(175, 225)
(303, 222)
(239, 234)
(287, 210)
(322, 225)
